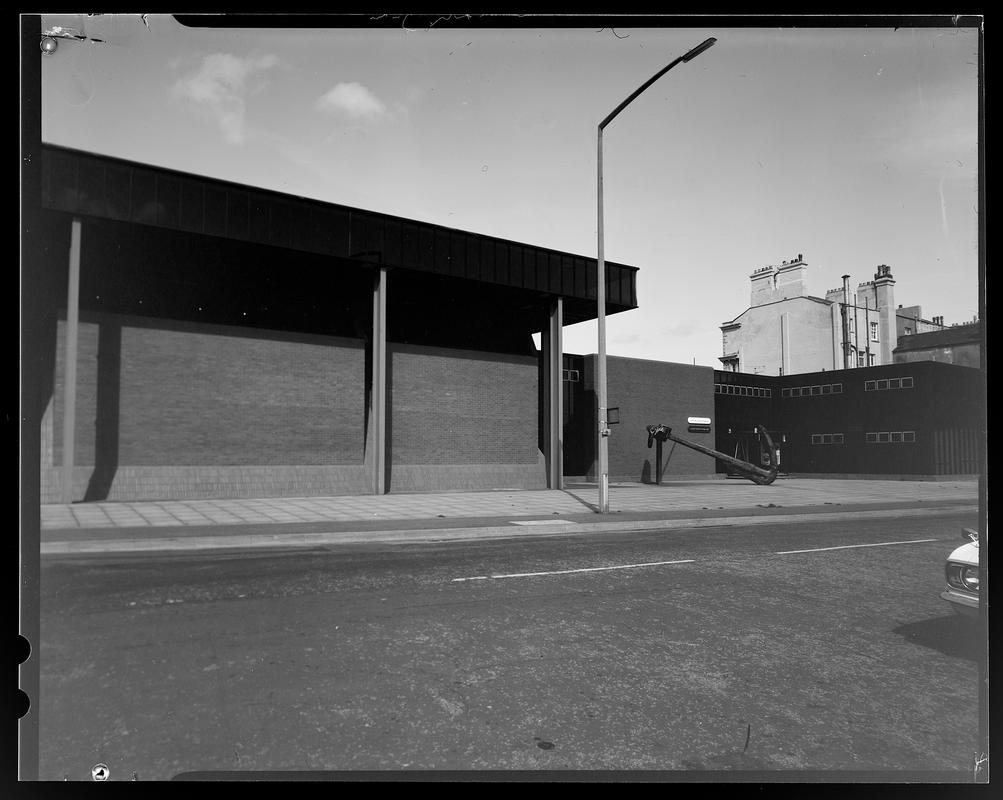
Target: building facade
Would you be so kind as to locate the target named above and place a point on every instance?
(187, 337)
(787, 331)
(918, 420)
(921, 419)
(957, 344)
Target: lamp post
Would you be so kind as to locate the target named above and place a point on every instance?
(603, 427)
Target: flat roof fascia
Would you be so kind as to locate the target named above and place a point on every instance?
(89, 184)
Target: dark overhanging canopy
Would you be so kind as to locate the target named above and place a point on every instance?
(184, 243)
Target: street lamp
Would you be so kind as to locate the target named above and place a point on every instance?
(603, 427)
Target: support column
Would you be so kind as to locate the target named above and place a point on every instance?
(70, 383)
(553, 413)
(378, 414)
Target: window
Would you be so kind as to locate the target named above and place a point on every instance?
(837, 388)
(870, 359)
(571, 375)
(870, 386)
(816, 390)
(893, 383)
(827, 389)
(785, 392)
(891, 437)
(908, 331)
(837, 438)
(882, 384)
(906, 383)
(826, 438)
(874, 331)
(816, 438)
(860, 358)
(805, 391)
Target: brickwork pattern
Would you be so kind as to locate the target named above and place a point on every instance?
(210, 397)
(453, 407)
(650, 393)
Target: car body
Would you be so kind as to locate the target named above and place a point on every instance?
(962, 573)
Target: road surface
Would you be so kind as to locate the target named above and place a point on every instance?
(813, 647)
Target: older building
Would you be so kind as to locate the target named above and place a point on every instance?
(957, 344)
(787, 331)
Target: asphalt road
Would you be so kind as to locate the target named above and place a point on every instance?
(712, 649)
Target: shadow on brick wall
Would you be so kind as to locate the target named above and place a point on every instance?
(106, 422)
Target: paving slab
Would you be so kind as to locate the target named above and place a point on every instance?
(274, 522)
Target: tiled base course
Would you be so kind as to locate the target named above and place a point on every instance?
(202, 482)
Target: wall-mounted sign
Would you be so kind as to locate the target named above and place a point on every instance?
(613, 415)
(698, 420)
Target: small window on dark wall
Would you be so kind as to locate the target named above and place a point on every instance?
(908, 436)
(906, 383)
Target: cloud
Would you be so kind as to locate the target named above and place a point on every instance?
(352, 99)
(221, 84)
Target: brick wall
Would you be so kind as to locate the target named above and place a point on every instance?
(157, 394)
(463, 419)
(462, 407)
(650, 393)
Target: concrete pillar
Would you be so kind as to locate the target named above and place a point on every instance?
(553, 394)
(70, 382)
(378, 410)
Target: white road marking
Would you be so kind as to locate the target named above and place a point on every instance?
(541, 522)
(849, 546)
(569, 571)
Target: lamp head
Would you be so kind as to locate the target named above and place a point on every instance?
(48, 45)
(704, 45)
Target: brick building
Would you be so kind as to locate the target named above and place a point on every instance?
(187, 337)
(915, 420)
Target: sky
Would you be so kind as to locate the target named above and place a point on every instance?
(851, 146)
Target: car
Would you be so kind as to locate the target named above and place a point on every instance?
(962, 572)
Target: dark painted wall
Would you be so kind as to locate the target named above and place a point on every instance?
(922, 418)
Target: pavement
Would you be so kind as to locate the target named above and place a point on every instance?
(221, 524)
